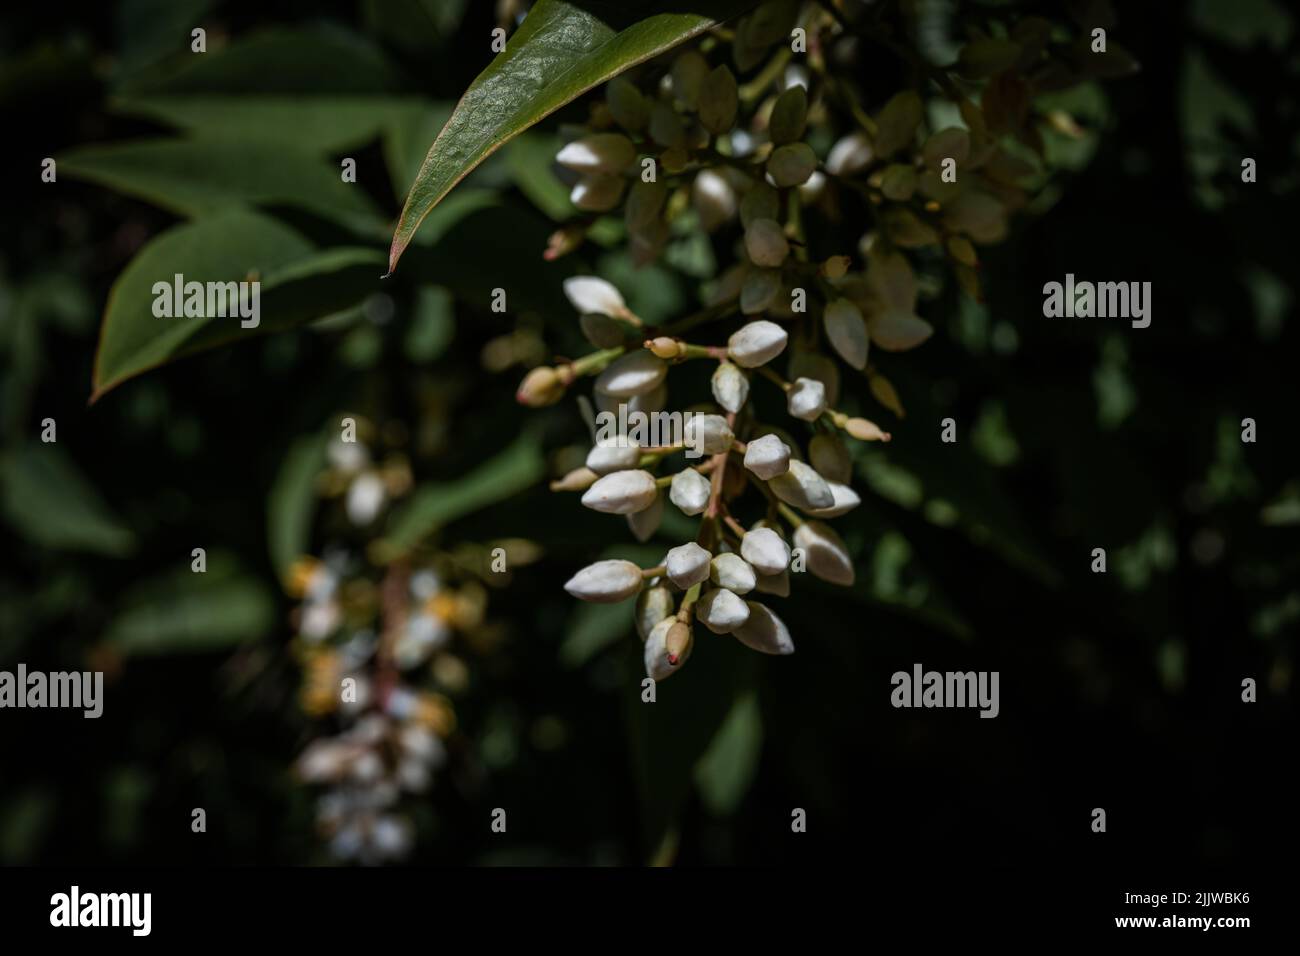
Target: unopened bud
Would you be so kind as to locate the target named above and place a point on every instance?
(677, 642)
(593, 294)
(721, 611)
(767, 457)
(687, 565)
(709, 434)
(732, 572)
(564, 240)
(714, 199)
(828, 557)
(689, 491)
(580, 479)
(616, 454)
(664, 347)
(764, 549)
(633, 374)
(605, 582)
(542, 386)
(652, 606)
(764, 631)
(850, 155)
(806, 399)
(846, 499)
(622, 493)
(802, 487)
(756, 343)
(865, 430)
(657, 665)
(730, 387)
(608, 153)
(597, 193)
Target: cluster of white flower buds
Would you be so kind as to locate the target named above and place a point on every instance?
(682, 146)
(374, 640)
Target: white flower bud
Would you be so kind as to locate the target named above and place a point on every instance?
(597, 193)
(801, 486)
(850, 155)
(828, 558)
(657, 664)
(775, 584)
(598, 153)
(605, 582)
(767, 457)
(756, 343)
(721, 611)
(730, 387)
(649, 403)
(592, 294)
(806, 399)
(847, 332)
(689, 491)
(687, 565)
(846, 499)
(613, 454)
(765, 243)
(791, 165)
(808, 364)
(708, 434)
(645, 523)
(810, 190)
(830, 456)
(366, 496)
(622, 493)
(732, 572)
(636, 373)
(714, 199)
(718, 101)
(652, 606)
(764, 549)
(764, 631)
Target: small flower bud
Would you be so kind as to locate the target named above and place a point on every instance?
(850, 155)
(665, 347)
(830, 456)
(622, 493)
(864, 430)
(714, 199)
(789, 116)
(764, 549)
(689, 491)
(542, 386)
(718, 101)
(721, 611)
(847, 332)
(791, 165)
(580, 479)
(766, 243)
(564, 240)
(597, 193)
(764, 631)
(605, 582)
(652, 606)
(732, 572)
(633, 374)
(756, 343)
(807, 364)
(592, 294)
(846, 499)
(650, 402)
(730, 387)
(828, 557)
(709, 434)
(608, 153)
(806, 399)
(687, 565)
(657, 664)
(801, 487)
(677, 642)
(767, 457)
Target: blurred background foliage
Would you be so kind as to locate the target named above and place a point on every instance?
(1118, 690)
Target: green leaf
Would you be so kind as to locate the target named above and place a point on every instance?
(191, 612)
(292, 502)
(726, 771)
(592, 628)
(561, 50)
(47, 498)
(297, 284)
(435, 505)
(314, 123)
(195, 177)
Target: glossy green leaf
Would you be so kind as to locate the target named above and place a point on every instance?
(51, 503)
(434, 505)
(297, 284)
(196, 177)
(561, 50)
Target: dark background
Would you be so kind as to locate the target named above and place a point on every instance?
(1120, 691)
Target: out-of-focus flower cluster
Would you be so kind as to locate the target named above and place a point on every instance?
(775, 166)
(381, 645)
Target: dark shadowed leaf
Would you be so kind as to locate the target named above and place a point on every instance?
(52, 504)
